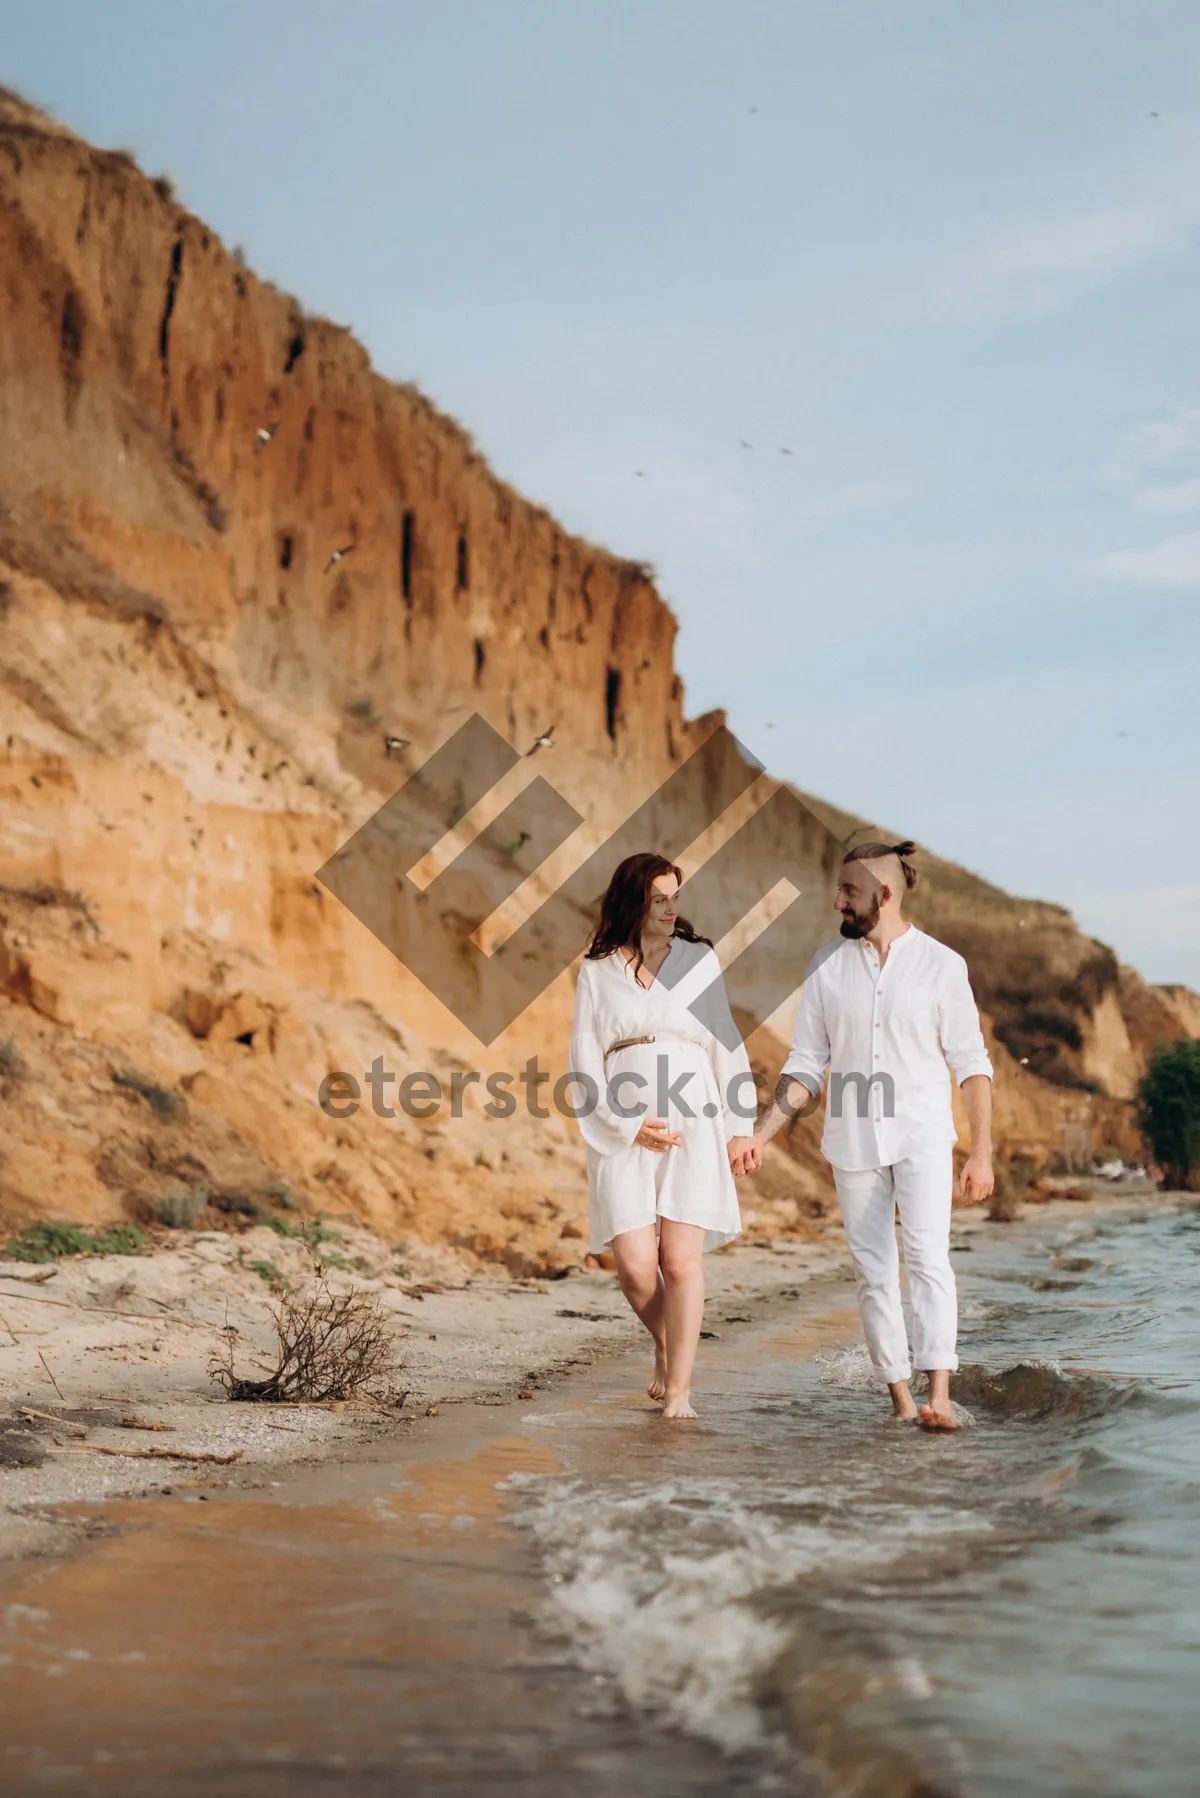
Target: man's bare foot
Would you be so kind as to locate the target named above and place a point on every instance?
(658, 1382)
(678, 1405)
(904, 1406)
(938, 1417)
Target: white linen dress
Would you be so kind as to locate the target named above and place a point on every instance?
(629, 1186)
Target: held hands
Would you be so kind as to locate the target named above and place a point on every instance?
(976, 1180)
(655, 1135)
(745, 1154)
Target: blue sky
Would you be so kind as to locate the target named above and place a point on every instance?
(945, 254)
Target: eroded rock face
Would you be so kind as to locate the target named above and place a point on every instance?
(141, 365)
(197, 693)
(234, 562)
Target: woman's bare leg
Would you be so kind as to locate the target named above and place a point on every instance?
(636, 1255)
(680, 1253)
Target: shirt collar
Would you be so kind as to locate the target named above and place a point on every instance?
(870, 949)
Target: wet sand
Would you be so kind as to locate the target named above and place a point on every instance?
(366, 1626)
(91, 1347)
(351, 1610)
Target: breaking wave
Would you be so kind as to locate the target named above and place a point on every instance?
(1035, 1390)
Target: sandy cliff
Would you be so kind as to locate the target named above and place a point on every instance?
(194, 700)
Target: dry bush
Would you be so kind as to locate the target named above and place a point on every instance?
(330, 1347)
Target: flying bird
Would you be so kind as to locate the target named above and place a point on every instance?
(1153, 115)
(744, 444)
(545, 741)
(784, 452)
(640, 473)
(393, 745)
(337, 555)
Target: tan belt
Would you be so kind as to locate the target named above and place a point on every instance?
(666, 1036)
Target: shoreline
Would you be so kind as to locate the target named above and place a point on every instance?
(104, 1360)
(415, 1573)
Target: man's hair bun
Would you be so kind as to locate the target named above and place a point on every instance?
(867, 852)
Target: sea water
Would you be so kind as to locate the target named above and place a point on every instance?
(833, 1601)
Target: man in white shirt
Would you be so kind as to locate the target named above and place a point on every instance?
(886, 1013)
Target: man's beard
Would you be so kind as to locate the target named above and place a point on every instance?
(857, 925)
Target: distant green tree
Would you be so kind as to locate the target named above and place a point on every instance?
(1169, 1109)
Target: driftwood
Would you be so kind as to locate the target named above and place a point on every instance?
(146, 1317)
(157, 1454)
(53, 1381)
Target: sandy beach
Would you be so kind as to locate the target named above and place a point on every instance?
(113, 1353)
(500, 1585)
(106, 1360)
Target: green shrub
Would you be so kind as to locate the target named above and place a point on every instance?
(237, 1204)
(311, 1231)
(179, 1210)
(331, 1258)
(1169, 1109)
(10, 1057)
(46, 1242)
(266, 1271)
(282, 1195)
(165, 1105)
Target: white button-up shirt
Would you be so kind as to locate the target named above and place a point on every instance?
(887, 1038)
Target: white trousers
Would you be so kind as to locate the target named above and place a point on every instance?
(921, 1188)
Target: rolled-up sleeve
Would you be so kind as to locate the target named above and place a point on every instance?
(808, 1058)
(601, 1128)
(959, 1030)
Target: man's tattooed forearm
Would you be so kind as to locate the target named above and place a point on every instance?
(783, 1087)
(782, 1110)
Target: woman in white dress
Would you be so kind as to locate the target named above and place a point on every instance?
(665, 1102)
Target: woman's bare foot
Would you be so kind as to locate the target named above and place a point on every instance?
(678, 1405)
(658, 1382)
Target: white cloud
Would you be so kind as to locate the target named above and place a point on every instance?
(1154, 466)
(1173, 563)
(1160, 442)
(1171, 496)
(1034, 266)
